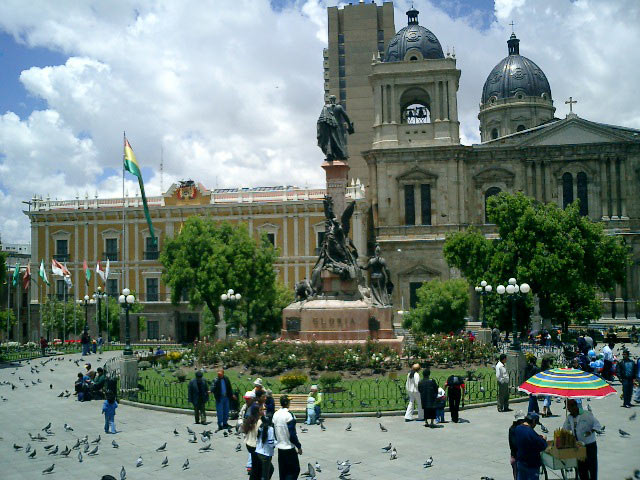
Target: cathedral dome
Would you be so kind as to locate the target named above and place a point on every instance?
(515, 76)
(411, 39)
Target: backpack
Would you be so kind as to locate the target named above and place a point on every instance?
(455, 381)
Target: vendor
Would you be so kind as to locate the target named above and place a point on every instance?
(583, 425)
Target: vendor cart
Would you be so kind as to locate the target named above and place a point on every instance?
(563, 460)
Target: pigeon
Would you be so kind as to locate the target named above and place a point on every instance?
(85, 439)
(162, 447)
(114, 444)
(206, 448)
(190, 432)
(387, 448)
(238, 448)
(428, 462)
(48, 470)
(311, 473)
(175, 432)
(47, 427)
(66, 451)
(80, 457)
(139, 461)
(54, 451)
(165, 462)
(97, 440)
(348, 429)
(61, 395)
(28, 449)
(123, 473)
(40, 438)
(193, 439)
(544, 429)
(86, 448)
(383, 428)
(322, 427)
(623, 433)
(77, 445)
(633, 417)
(67, 428)
(589, 408)
(17, 447)
(394, 454)
(94, 451)
(185, 465)
(303, 429)
(32, 454)
(345, 471)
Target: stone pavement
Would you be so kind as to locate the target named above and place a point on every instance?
(460, 451)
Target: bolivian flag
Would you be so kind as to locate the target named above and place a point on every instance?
(131, 166)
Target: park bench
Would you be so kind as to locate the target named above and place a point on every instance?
(298, 402)
(623, 337)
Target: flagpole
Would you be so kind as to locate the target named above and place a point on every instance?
(64, 312)
(8, 298)
(18, 302)
(29, 310)
(124, 214)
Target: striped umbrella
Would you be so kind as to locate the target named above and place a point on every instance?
(567, 383)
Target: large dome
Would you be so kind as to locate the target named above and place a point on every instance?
(413, 37)
(515, 75)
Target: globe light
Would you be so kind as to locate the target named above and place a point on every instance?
(510, 289)
(126, 292)
(224, 297)
(525, 288)
(500, 289)
(86, 298)
(512, 281)
(92, 301)
(121, 299)
(99, 289)
(516, 288)
(238, 297)
(79, 302)
(483, 283)
(488, 288)
(131, 299)
(230, 292)
(478, 289)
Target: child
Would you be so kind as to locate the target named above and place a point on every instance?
(265, 446)
(109, 410)
(441, 401)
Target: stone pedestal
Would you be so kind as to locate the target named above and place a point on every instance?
(607, 309)
(128, 373)
(484, 336)
(221, 330)
(620, 315)
(516, 363)
(337, 173)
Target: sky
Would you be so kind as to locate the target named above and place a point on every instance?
(228, 91)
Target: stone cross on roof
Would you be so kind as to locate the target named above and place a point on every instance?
(512, 24)
(570, 102)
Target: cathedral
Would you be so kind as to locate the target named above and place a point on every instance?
(422, 183)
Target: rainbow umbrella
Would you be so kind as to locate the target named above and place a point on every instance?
(567, 383)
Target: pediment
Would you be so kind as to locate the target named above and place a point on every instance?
(492, 175)
(573, 132)
(419, 271)
(416, 173)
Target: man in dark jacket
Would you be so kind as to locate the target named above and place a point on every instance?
(626, 371)
(529, 445)
(455, 392)
(223, 394)
(428, 389)
(198, 396)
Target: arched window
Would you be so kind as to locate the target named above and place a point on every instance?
(567, 189)
(583, 194)
(416, 113)
(494, 134)
(415, 106)
(520, 128)
(489, 193)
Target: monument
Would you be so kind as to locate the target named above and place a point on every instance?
(336, 305)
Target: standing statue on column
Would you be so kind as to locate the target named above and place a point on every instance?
(331, 127)
(381, 286)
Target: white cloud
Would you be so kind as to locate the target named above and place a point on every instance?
(231, 89)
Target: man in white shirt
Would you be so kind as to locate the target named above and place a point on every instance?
(607, 357)
(583, 425)
(413, 378)
(503, 384)
(284, 424)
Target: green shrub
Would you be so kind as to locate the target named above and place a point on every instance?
(180, 376)
(292, 380)
(329, 380)
(144, 364)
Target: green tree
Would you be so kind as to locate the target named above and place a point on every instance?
(565, 258)
(441, 306)
(116, 313)
(207, 258)
(4, 315)
(59, 317)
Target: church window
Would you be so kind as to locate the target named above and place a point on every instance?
(520, 128)
(567, 189)
(409, 205)
(272, 238)
(413, 293)
(425, 203)
(583, 194)
(494, 134)
(489, 193)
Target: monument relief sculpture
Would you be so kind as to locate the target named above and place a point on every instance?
(332, 125)
(381, 285)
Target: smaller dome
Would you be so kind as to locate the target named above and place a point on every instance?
(515, 75)
(413, 37)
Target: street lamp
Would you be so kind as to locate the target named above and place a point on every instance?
(97, 297)
(514, 291)
(482, 290)
(230, 300)
(126, 301)
(86, 301)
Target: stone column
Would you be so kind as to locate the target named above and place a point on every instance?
(615, 214)
(607, 308)
(337, 173)
(623, 189)
(604, 190)
(435, 110)
(619, 303)
(538, 168)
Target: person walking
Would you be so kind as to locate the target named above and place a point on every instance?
(100, 344)
(265, 445)
(428, 389)
(109, 411)
(583, 425)
(43, 346)
(198, 394)
(287, 443)
(626, 371)
(411, 385)
(529, 445)
(223, 394)
(502, 377)
(84, 341)
(607, 357)
(455, 391)
(636, 397)
(249, 401)
(250, 427)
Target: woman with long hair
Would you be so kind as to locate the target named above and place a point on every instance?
(250, 427)
(265, 446)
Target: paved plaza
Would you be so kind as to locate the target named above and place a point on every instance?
(460, 451)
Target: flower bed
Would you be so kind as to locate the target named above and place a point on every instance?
(449, 350)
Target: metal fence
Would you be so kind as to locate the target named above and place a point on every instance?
(539, 351)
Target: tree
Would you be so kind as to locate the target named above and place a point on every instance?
(62, 317)
(565, 258)
(115, 313)
(441, 306)
(207, 258)
(4, 315)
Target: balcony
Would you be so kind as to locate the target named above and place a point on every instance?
(151, 297)
(61, 257)
(111, 256)
(151, 255)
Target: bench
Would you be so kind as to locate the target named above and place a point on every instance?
(298, 402)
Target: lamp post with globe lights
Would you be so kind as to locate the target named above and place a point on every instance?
(483, 289)
(97, 297)
(126, 301)
(85, 302)
(513, 290)
(229, 301)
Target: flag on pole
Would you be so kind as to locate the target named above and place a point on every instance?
(87, 272)
(16, 275)
(58, 269)
(100, 272)
(67, 276)
(131, 166)
(26, 278)
(43, 273)
(106, 271)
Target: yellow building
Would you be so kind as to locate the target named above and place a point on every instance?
(92, 229)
